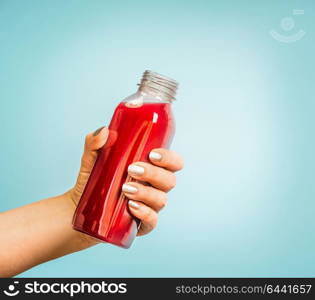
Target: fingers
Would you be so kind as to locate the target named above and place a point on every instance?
(158, 177)
(150, 196)
(147, 201)
(145, 214)
(167, 159)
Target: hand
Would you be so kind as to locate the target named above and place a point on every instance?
(146, 201)
(41, 231)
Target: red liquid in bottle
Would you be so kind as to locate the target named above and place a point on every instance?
(134, 131)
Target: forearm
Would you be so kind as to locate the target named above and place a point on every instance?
(38, 232)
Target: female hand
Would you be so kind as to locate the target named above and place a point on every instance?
(41, 231)
(145, 201)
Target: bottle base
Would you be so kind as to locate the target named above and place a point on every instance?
(101, 238)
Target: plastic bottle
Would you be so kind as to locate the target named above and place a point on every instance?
(140, 123)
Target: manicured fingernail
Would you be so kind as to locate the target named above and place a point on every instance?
(133, 204)
(137, 170)
(127, 188)
(155, 156)
(97, 131)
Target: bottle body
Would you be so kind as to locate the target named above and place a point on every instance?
(135, 129)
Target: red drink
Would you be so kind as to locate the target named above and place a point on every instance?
(137, 126)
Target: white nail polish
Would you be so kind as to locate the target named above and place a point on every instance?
(155, 156)
(137, 170)
(133, 204)
(127, 188)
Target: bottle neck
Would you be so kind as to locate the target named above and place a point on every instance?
(158, 87)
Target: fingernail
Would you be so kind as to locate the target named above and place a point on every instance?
(155, 156)
(133, 204)
(129, 188)
(97, 131)
(137, 170)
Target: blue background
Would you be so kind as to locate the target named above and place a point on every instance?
(244, 204)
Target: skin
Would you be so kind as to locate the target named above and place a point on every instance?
(42, 231)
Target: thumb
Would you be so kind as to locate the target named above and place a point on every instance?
(93, 141)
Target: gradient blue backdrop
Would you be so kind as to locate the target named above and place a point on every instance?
(245, 203)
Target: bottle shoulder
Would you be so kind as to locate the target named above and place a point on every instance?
(144, 109)
(139, 98)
